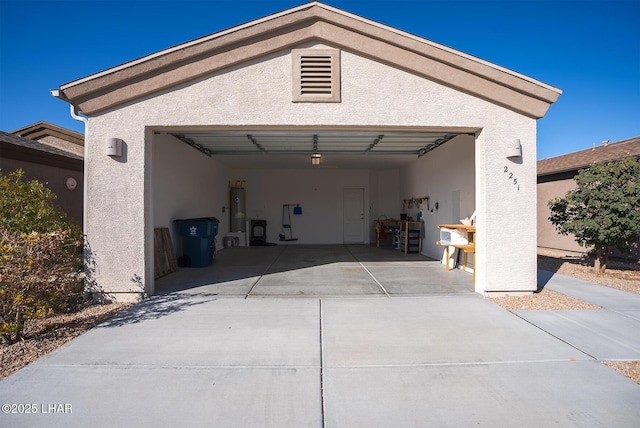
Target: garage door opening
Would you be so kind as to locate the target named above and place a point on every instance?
(194, 169)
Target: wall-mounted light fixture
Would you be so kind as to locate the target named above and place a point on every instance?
(315, 159)
(514, 149)
(114, 147)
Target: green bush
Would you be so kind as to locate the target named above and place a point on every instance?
(40, 255)
(603, 211)
(28, 206)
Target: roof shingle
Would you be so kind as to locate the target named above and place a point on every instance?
(577, 160)
(25, 142)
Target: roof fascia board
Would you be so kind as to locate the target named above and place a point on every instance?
(438, 46)
(200, 44)
(43, 129)
(287, 29)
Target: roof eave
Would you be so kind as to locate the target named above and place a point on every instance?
(312, 21)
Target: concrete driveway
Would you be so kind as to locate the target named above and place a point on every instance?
(200, 357)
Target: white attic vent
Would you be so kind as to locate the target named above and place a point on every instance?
(316, 75)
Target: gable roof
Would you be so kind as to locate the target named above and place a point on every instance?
(16, 147)
(583, 158)
(310, 22)
(43, 129)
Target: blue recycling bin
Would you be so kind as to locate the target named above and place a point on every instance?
(198, 240)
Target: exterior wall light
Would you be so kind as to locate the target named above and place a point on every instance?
(114, 147)
(315, 159)
(514, 150)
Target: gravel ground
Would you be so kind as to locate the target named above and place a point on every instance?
(45, 335)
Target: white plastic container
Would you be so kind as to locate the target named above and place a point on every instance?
(453, 236)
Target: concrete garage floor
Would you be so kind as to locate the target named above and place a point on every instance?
(206, 356)
(317, 270)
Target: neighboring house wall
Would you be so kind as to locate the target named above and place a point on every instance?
(49, 165)
(120, 218)
(556, 178)
(548, 236)
(54, 178)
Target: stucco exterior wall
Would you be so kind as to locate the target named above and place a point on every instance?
(119, 215)
(548, 236)
(506, 207)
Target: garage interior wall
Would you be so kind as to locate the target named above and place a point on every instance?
(447, 176)
(186, 184)
(319, 193)
(384, 197)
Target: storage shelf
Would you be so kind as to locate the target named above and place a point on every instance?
(406, 234)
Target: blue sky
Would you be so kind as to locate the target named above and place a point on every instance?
(589, 49)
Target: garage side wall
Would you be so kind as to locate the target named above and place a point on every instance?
(118, 214)
(447, 176)
(506, 248)
(186, 184)
(259, 93)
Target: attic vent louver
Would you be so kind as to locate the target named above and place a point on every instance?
(316, 75)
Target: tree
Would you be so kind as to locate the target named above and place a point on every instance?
(40, 255)
(604, 209)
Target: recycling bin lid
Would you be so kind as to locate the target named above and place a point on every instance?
(211, 219)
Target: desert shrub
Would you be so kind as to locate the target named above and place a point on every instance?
(40, 255)
(27, 206)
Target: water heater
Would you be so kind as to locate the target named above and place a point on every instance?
(238, 209)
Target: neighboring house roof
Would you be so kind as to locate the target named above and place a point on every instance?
(16, 147)
(54, 136)
(572, 162)
(312, 22)
(43, 129)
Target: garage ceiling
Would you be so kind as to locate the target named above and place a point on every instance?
(290, 149)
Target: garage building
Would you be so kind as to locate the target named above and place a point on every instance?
(392, 117)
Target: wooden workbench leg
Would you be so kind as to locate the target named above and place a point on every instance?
(446, 257)
(474, 267)
(406, 240)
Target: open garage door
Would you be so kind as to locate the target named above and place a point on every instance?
(193, 169)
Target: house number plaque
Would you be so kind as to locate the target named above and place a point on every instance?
(511, 177)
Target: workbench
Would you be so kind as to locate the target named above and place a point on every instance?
(385, 226)
(469, 247)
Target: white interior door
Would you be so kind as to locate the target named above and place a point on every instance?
(353, 216)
